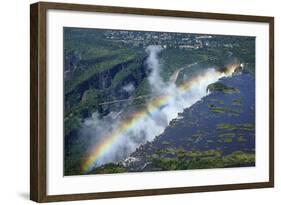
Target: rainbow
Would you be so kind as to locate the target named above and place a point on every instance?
(101, 148)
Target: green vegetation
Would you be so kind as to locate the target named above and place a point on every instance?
(109, 169)
(222, 88)
(203, 160)
(83, 75)
(241, 138)
(173, 59)
(71, 123)
(216, 100)
(198, 135)
(226, 137)
(221, 102)
(237, 102)
(241, 47)
(165, 143)
(221, 110)
(181, 153)
(233, 127)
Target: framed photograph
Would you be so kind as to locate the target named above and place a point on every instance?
(135, 102)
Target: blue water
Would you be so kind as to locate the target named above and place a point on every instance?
(198, 127)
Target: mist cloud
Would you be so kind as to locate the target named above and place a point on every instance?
(97, 128)
(129, 88)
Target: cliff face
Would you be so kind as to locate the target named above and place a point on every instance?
(99, 81)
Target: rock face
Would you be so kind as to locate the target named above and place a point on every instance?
(103, 80)
(238, 69)
(222, 69)
(214, 132)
